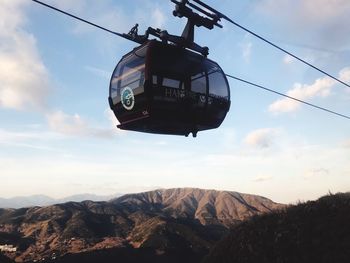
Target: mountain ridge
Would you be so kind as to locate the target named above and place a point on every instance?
(199, 203)
(44, 200)
(163, 220)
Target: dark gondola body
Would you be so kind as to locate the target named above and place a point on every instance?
(165, 89)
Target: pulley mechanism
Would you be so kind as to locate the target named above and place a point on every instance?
(207, 17)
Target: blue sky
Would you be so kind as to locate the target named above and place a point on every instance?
(58, 136)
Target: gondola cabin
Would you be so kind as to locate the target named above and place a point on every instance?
(165, 89)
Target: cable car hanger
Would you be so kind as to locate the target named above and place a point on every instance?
(186, 40)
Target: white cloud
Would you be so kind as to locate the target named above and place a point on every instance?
(321, 21)
(246, 47)
(287, 59)
(247, 51)
(321, 87)
(99, 72)
(261, 138)
(262, 178)
(35, 139)
(294, 163)
(316, 173)
(69, 5)
(113, 16)
(104, 13)
(66, 124)
(24, 80)
(344, 75)
(324, 10)
(75, 125)
(8, 136)
(346, 144)
(158, 18)
(152, 13)
(113, 121)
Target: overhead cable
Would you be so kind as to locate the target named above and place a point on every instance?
(78, 18)
(230, 76)
(289, 97)
(287, 52)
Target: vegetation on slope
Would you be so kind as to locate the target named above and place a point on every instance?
(4, 259)
(315, 231)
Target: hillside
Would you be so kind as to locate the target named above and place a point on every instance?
(316, 231)
(159, 222)
(207, 206)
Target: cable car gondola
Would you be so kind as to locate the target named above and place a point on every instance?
(169, 88)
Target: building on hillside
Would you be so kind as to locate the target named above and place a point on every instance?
(7, 248)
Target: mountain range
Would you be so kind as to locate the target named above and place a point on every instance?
(43, 200)
(168, 225)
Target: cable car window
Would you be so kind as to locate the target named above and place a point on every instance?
(199, 83)
(155, 79)
(217, 85)
(131, 74)
(171, 83)
(114, 83)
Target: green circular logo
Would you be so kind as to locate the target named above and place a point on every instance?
(127, 98)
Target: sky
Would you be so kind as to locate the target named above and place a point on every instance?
(58, 136)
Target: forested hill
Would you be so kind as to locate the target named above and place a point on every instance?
(315, 231)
